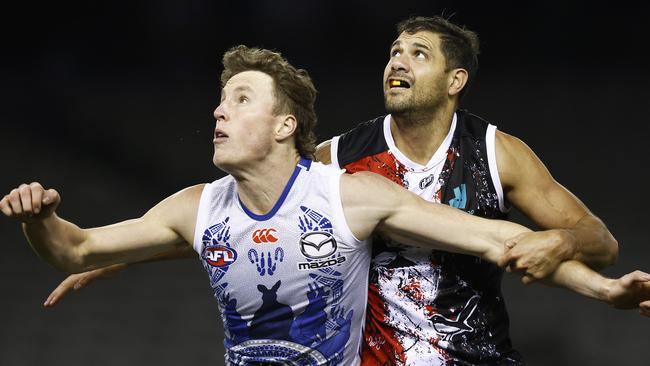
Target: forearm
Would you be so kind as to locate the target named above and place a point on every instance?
(181, 253)
(185, 252)
(577, 277)
(56, 241)
(445, 228)
(593, 244)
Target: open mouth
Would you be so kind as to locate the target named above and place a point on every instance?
(219, 136)
(397, 83)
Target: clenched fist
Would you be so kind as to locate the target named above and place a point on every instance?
(30, 203)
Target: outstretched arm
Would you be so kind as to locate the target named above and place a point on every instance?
(167, 226)
(371, 202)
(572, 231)
(77, 281)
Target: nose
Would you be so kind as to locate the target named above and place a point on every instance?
(399, 63)
(219, 113)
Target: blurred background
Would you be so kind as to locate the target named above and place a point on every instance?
(111, 103)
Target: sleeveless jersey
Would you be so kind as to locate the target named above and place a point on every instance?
(433, 307)
(291, 285)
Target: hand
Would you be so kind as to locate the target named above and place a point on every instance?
(80, 280)
(30, 203)
(630, 292)
(537, 253)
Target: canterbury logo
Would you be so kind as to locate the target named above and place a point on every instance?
(317, 244)
(265, 236)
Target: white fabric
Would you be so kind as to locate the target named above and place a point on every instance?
(313, 312)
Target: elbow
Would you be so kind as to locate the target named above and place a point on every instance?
(612, 251)
(74, 260)
(608, 254)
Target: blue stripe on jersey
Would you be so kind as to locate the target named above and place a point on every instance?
(302, 164)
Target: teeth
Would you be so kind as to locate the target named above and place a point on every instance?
(399, 83)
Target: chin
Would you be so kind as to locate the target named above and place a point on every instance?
(221, 162)
(397, 106)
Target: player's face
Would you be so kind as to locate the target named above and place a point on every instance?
(244, 129)
(415, 78)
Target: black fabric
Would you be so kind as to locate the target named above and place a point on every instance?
(464, 279)
(364, 140)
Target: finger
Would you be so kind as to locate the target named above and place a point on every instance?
(60, 291)
(644, 313)
(640, 276)
(528, 279)
(37, 196)
(5, 207)
(505, 259)
(26, 198)
(644, 308)
(538, 272)
(632, 277)
(14, 202)
(50, 196)
(510, 243)
(521, 265)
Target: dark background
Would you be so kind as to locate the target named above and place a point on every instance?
(112, 105)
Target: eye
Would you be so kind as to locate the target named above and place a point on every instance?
(243, 99)
(395, 53)
(420, 55)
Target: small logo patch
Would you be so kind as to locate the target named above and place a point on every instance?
(426, 181)
(219, 256)
(318, 244)
(265, 236)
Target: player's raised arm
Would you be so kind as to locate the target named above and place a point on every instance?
(168, 225)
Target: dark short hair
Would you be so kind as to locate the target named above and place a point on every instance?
(294, 90)
(460, 46)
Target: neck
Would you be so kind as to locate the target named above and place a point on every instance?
(260, 186)
(419, 135)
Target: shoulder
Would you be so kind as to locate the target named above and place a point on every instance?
(471, 124)
(365, 139)
(517, 162)
(178, 207)
(190, 195)
(510, 148)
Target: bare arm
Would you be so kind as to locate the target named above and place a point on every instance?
(573, 232)
(166, 227)
(371, 202)
(77, 281)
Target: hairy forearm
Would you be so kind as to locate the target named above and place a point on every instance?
(57, 241)
(594, 244)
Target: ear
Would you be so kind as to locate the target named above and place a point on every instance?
(276, 286)
(285, 127)
(457, 81)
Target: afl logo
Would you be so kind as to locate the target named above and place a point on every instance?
(317, 244)
(219, 256)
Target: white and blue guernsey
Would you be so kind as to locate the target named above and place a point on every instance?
(291, 284)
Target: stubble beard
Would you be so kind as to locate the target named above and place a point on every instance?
(412, 110)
